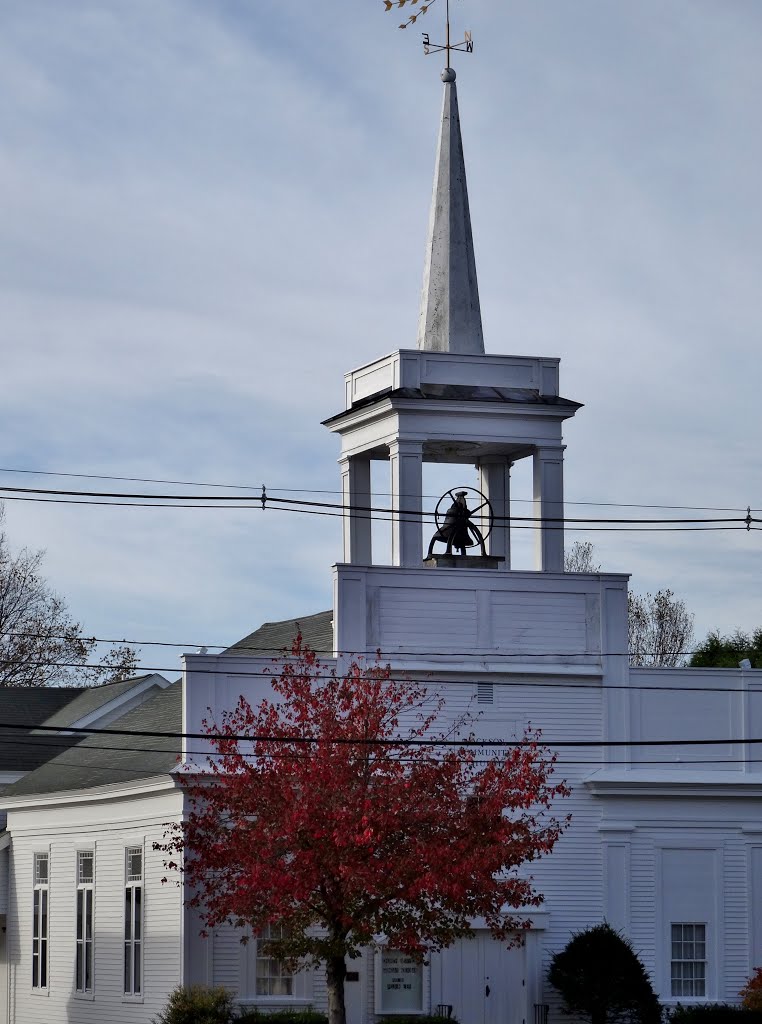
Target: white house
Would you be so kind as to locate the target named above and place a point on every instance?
(666, 837)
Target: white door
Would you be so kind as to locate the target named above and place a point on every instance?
(484, 982)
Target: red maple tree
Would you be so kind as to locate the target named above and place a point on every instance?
(346, 817)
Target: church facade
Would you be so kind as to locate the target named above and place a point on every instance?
(665, 840)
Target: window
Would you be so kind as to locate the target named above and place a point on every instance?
(84, 960)
(40, 922)
(688, 968)
(133, 920)
(273, 979)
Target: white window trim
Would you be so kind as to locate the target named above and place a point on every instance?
(134, 997)
(302, 992)
(41, 990)
(84, 994)
(684, 998)
(714, 925)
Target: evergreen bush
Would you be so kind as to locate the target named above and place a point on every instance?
(416, 1018)
(601, 978)
(196, 1004)
(713, 1013)
(255, 1016)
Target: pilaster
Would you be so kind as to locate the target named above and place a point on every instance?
(495, 485)
(548, 466)
(406, 464)
(356, 498)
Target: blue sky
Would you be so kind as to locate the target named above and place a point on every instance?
(212, 210)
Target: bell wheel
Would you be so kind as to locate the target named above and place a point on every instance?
(481, 513)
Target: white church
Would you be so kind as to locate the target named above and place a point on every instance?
(665, 841)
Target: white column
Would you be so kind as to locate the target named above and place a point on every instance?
(495, 484)
(356, 495)
(406, 463)
(549, 504)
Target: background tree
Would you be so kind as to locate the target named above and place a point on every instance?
(331, 824)
(601, 978)
(580, 557)
(660, 627)
(40, 643)
(718, 651)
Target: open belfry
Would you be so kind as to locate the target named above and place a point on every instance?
(448, 401)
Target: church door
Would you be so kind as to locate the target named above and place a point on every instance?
(482, 980)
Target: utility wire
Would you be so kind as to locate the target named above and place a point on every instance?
(309, 741)
(69, 748)
(308, 490)
(404, 516)
(236, 649)
(349, 509)
(531, 684)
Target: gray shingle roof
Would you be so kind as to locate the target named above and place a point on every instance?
(101, 759)
(25, 707)
(90, 699)
(273, 637)
(32, 705)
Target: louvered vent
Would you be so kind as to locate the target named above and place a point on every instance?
(485, 693)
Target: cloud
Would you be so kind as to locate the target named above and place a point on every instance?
(213, 211)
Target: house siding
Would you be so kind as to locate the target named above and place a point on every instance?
(108, 828)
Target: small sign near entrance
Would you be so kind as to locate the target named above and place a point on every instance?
(401, 983)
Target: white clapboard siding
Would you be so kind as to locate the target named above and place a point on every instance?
(108, 829)
(408, 618)
(540, 623)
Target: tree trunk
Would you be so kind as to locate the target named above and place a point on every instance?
(335, 974)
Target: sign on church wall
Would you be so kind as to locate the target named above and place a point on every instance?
(401, 983)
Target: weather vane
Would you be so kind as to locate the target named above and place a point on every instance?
(465, 46)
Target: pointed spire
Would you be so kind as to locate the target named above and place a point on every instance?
(450, 318)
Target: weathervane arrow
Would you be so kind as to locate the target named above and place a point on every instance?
(465, 46)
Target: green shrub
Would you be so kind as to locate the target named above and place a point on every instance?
(416, 1018)
(713, 1013)
(197, 1004)
(600, 977)
(281, 1017)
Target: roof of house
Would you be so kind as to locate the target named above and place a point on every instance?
(24, 708)
(275, 637)
(90, 699)
(100, 759)
(33, 705)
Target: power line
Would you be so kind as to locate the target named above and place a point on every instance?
(378, 518)
(264, 498)
(68, 748)
(308, 741)
(529, 684)
(308, 490)
(374, 652)
(123, 499)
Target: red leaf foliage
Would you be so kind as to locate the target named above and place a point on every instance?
(751, 993)
(360, 833)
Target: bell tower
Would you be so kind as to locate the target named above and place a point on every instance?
(446, 401)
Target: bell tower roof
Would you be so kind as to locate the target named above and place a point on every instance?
(450, 317)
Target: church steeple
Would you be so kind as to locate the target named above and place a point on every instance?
(450, 317)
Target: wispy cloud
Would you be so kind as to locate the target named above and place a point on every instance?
(212, 211)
